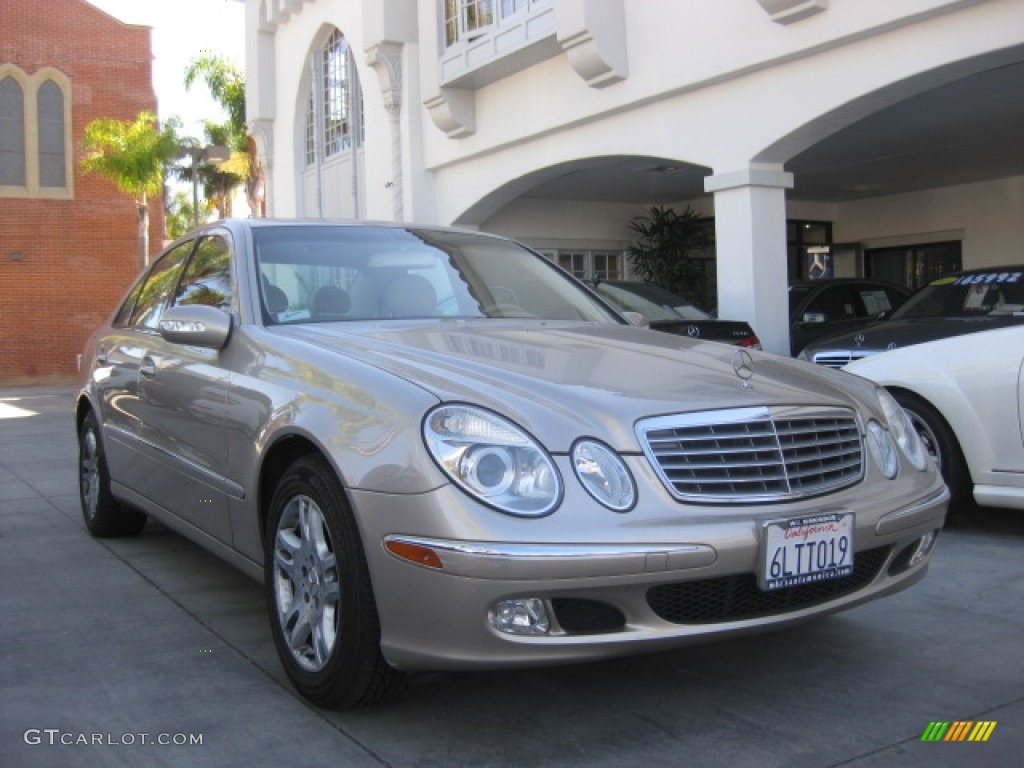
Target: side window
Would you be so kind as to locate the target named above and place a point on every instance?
(124, 312)
(877, 300)
(158, 286)
(837, 302)
(207, 279)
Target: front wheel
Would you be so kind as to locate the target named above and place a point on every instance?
(322, 612)
(944, 448)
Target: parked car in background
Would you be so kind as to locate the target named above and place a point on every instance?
(820, 308)
(437, 450)
(967, 302)
(965, 397)
(671, 313)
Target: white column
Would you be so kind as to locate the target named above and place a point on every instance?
(750, 236)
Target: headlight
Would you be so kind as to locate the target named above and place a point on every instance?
(492, 459)
(902, 431)
(604, 475)
(882, 449)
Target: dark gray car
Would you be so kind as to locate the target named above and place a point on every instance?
(665, 311)
(969, 301)
(824, 308)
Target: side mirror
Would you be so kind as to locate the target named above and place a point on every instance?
(196, 325)
(814, 318)
(637, 319)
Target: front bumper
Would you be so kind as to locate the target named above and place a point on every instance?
(687, 583)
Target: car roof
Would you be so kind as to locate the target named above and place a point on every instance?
(845, 280)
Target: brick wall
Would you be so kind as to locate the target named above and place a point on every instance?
(65, 263)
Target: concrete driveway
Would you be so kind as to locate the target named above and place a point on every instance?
(149, 651)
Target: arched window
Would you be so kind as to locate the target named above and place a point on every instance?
(12, 134)
(50, 107)
(330, 140)
(35, 133)
(337, 99)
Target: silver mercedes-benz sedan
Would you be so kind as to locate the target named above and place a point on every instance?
(438, 451)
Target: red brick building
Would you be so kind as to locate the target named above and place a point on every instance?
(68, 242)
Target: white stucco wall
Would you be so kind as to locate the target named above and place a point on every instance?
(715, 84)
(988, 217)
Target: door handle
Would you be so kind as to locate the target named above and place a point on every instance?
(148, 367)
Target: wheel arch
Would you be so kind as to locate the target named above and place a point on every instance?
(958, 420)
(83, 406)
(281, 455)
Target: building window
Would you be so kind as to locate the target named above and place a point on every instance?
(35, 135)
(808, 249)
(590, 265)
(914, 265)
(340, 97)
(12, 134)
(466, 20)
(330, 133)
(50, 106)
(310, 131)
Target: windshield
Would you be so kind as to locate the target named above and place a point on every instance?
(974, 295)
(314, 274)
(654, 303)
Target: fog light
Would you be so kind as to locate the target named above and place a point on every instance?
(924, 548)
(525, 616)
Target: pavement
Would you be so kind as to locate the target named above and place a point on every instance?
(150, 652)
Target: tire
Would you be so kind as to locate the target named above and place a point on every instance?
(319, 597)
(942, 445)
(104, 516)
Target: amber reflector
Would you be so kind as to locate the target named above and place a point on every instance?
(414, 553)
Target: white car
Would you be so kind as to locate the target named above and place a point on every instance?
(965, 395)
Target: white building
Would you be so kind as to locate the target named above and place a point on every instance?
(891, 130)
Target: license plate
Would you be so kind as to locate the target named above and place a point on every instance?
(805, 550)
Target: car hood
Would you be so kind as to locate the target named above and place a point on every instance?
(891, 334)
(562, 381)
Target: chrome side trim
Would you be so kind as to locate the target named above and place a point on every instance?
(528, 562)
(186, 466)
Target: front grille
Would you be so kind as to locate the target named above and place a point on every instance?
(754, 454)
(837, 359)
(734, 598)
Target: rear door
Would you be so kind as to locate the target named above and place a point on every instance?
(120, 355)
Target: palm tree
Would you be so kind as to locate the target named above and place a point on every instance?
(133, 154)
(226, 84)
(178, 214)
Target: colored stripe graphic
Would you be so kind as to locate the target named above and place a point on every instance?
(982, 731)
(959, 730)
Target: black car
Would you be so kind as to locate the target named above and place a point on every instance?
(969, 301)
(673, 314)
(820, 308)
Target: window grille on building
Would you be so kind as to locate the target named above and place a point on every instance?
(590, 264)
(468, 19)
